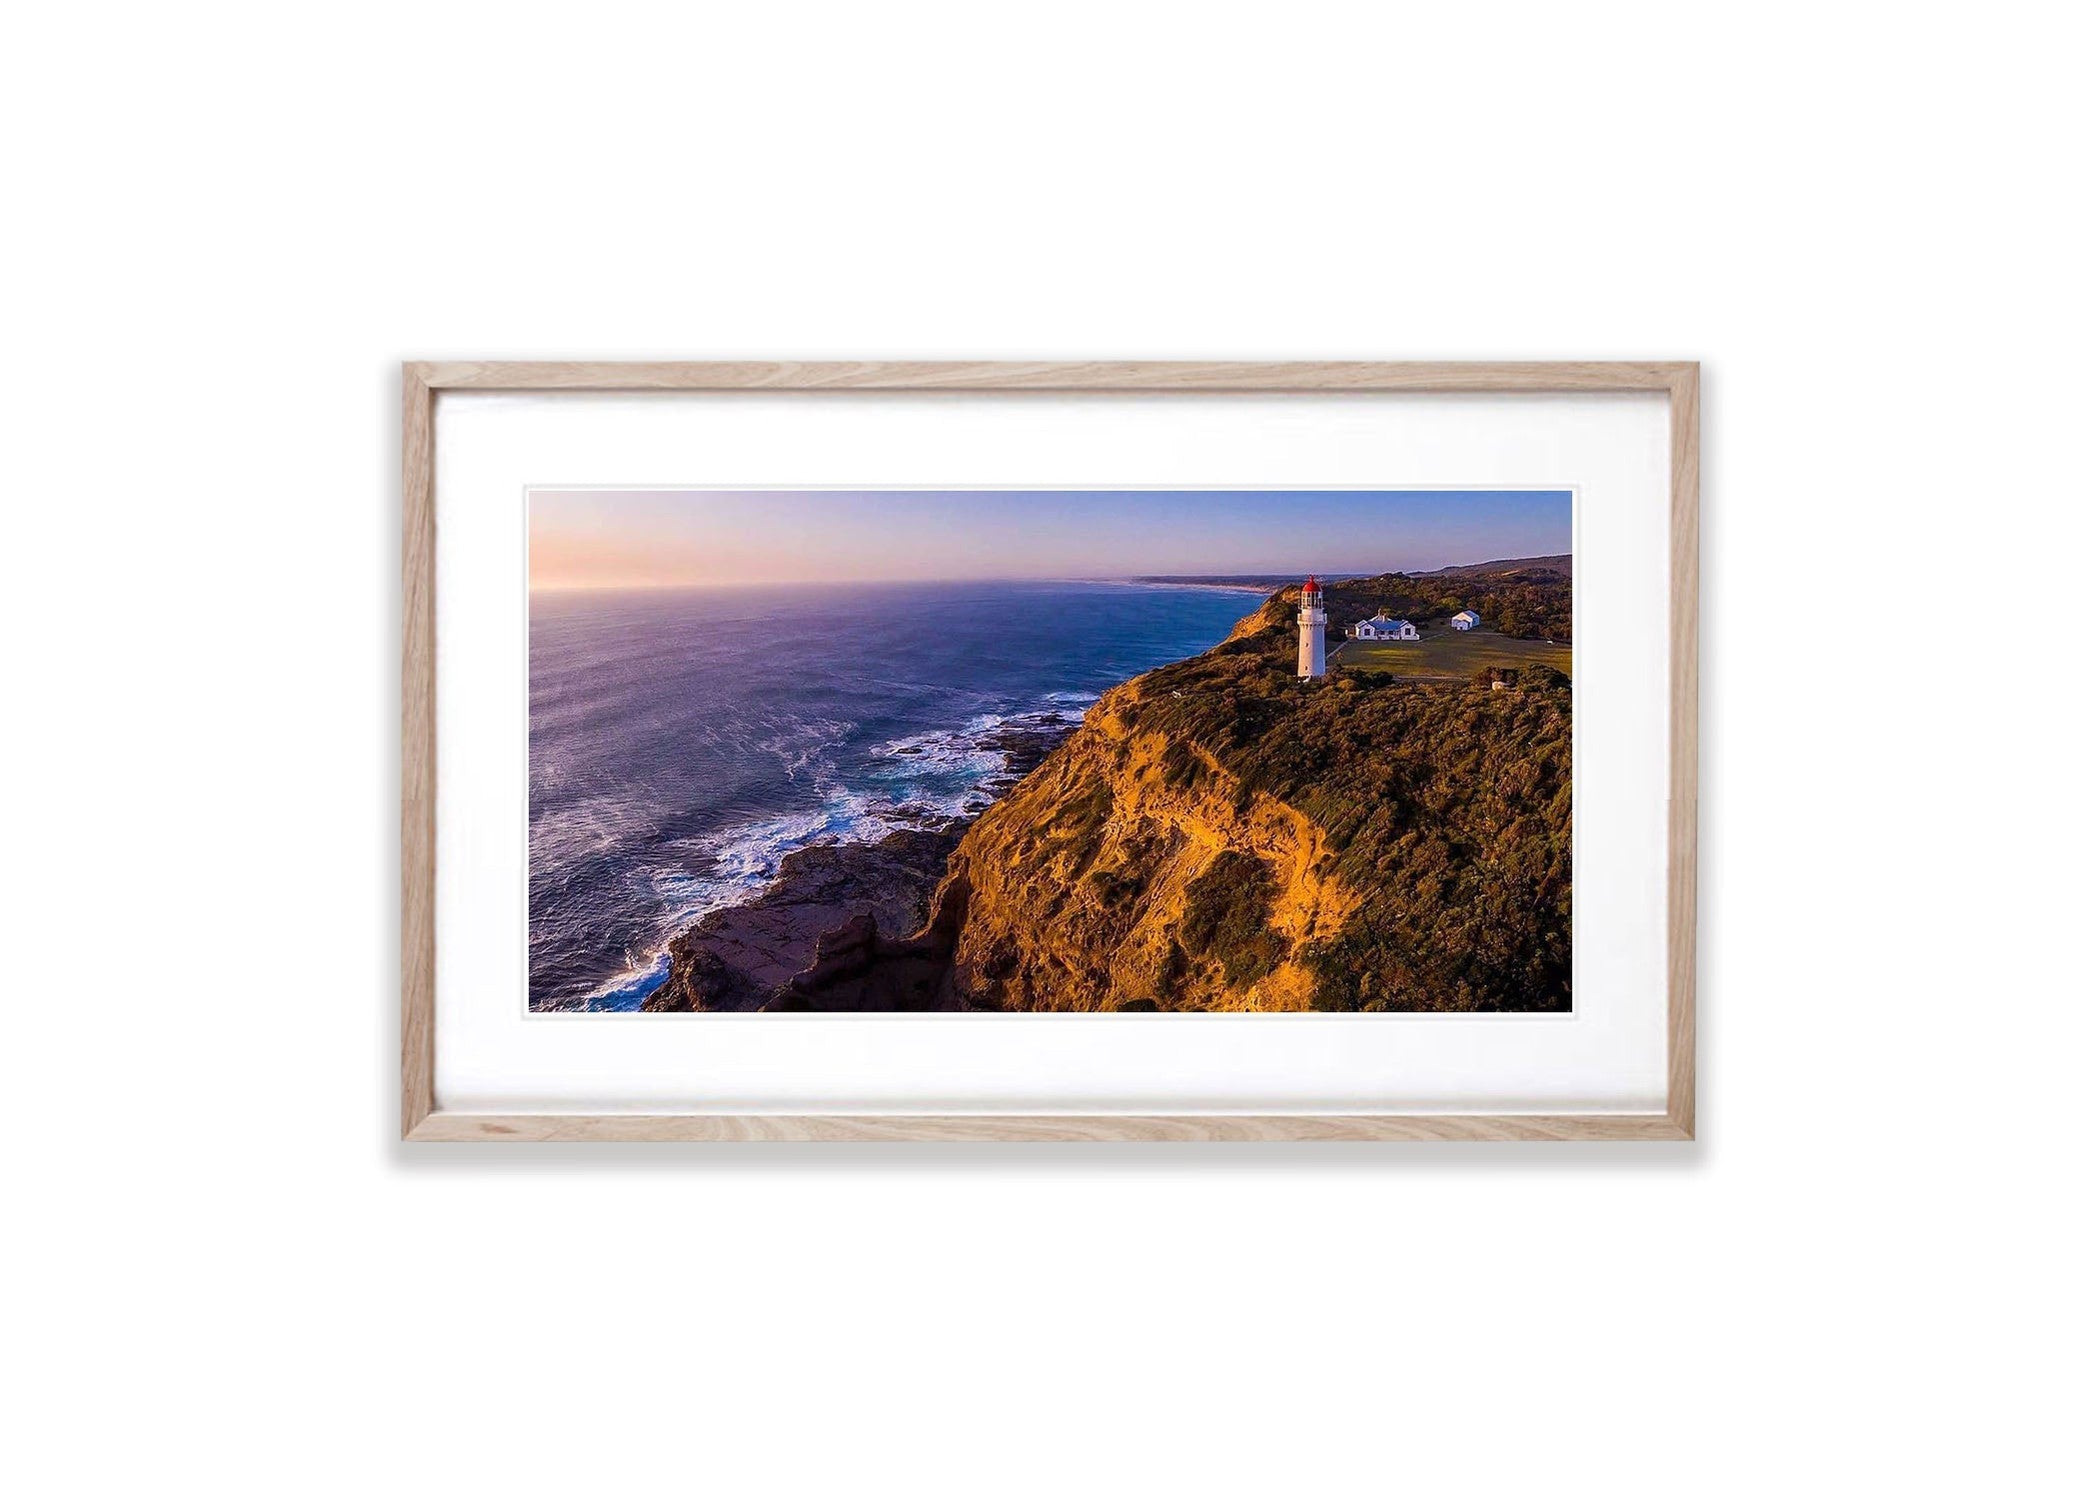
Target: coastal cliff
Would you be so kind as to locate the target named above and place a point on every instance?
(1134, 872)
(1220, 836)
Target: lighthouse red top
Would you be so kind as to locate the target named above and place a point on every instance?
(1311, 588)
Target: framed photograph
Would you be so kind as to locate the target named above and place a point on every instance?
(1049, 751)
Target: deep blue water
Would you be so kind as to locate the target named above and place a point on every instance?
(684, 740)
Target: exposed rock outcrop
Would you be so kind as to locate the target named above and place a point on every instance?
(858, 969)
(840, 911)
(738, 958)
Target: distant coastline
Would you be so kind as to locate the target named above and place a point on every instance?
(1234, 583)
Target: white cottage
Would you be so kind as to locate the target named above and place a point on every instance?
(1464, 620)
(1382, 628)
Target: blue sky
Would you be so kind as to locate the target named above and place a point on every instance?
(640, 538)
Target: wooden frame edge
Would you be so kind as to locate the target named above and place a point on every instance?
(1037, 1128)
(418, 750)
(422, 380)
(1166, 377)
(1682, 872)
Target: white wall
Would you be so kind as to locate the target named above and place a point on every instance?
(230, 223)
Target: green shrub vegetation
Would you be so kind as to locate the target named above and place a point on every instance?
(1526, 603)
(1077, 831)
(1447, 808)
(1182, 767)
(1226, 918)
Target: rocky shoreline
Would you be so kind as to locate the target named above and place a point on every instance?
(850, 897)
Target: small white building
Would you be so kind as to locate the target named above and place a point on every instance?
(1382, 628)
(1464, 620)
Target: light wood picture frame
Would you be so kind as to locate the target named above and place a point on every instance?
(423, 382)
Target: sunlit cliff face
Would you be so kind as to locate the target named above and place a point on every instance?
(1081, 884)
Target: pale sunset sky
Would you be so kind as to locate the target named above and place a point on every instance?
(654, 538)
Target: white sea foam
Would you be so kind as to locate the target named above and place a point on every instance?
(930, 776)
(919, 763)
(729, 868)
(803, 743)
(625, 991)
(948, 769)
(741, 861)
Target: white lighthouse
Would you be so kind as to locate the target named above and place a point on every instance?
(1311, 631)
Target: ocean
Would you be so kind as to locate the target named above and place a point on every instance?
(683, 741)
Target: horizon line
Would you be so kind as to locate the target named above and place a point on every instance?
(1195, 577)
(813, 582)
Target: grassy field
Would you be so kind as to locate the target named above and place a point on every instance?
(1444, 652)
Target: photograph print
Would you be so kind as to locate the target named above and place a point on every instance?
(1031, 750)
